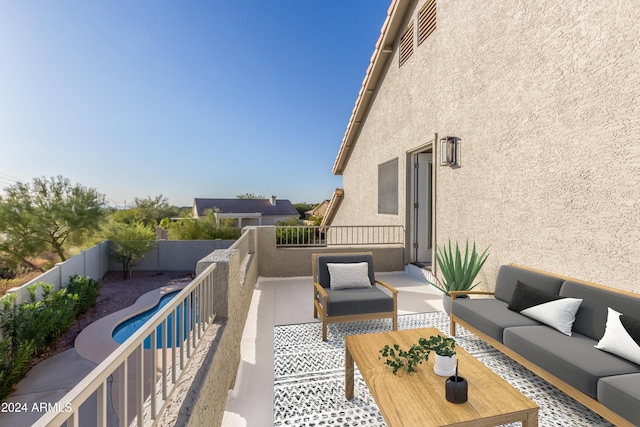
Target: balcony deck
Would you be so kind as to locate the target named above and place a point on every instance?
(284, 301)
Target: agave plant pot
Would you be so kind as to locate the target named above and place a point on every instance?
(446, 302)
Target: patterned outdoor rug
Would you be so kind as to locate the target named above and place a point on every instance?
(309, 377)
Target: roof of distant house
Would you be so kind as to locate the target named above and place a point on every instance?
(282, 207)
(319, 210)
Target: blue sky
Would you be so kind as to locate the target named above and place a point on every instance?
(185, 99)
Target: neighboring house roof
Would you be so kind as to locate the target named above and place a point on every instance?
(334, 204)
(279, 207)
(381, 55)
(319, 210)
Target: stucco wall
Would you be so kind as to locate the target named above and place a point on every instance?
(545, 98)
(295, 262)
(174, 255)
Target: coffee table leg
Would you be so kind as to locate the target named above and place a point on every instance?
(531, 420)
(348, 374)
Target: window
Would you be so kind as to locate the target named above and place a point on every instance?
(426, 20)
(388, 187)
(406, 44)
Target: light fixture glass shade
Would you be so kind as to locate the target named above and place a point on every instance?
(449, 151)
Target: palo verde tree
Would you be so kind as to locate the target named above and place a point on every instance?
(47, 213)
(129, 242)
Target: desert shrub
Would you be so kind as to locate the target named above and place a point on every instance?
(86, 289)
(13, 365)
(290, 232)
(206, 228)
(29, 328)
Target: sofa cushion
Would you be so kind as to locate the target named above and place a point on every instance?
(573, 359)
(621, 336)
(489, 315)
(349, 275)
(358, 301)
(550, 309)
(509, 275)
(621, 394)
(592, 315)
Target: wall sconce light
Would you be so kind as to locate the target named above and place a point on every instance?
(450, 151)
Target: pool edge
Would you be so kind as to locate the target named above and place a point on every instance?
(95, 342)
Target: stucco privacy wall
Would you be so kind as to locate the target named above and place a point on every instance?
(92, 262)
(174, 255)
(544, 95)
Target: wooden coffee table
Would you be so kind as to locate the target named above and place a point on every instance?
(418, 399)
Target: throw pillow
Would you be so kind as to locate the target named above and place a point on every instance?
(621, 336)
(351, 275)
(550, 309)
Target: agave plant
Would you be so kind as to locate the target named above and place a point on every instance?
(458, 272)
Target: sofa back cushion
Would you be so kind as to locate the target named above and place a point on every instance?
(508, 277)
(591, 318)
(323, 276)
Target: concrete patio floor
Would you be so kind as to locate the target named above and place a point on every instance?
(285, 301)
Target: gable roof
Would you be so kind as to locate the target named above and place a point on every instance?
(282, 207)
(382, 54)
(319, 210)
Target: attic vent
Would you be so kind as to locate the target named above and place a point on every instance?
(406, 44)
(426, 20)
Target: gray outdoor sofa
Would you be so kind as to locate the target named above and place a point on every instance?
(604, 382)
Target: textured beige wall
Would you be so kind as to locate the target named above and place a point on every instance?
(545, 96)
(295, 262)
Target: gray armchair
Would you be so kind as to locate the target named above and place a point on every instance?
(345, 290)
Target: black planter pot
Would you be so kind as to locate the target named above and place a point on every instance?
(456, 389)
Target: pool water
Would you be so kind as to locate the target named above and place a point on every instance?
(127, 328)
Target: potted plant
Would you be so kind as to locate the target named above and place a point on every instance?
(458, 272)
(444, 348)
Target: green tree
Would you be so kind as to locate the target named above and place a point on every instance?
(303, 207)
(48, 213)
(129, 242)
(151, 211)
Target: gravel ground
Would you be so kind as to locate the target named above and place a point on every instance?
(115, 294)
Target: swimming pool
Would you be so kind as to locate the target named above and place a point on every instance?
(127, 328)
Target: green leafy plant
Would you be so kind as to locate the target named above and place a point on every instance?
(29, 328)
(457, 271)
(397, 358)
(129, 243)
(441, 345)
(86, 289)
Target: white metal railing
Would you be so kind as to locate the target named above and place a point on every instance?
(151, 373)
(298, 236)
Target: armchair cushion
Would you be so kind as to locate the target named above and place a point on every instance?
(352, 275)
(358, 301)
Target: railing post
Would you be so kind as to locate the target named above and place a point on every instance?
(124, 398)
